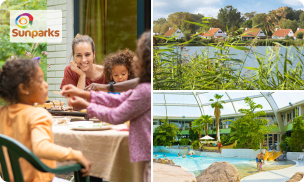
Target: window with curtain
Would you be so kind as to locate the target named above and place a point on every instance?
(112, 24)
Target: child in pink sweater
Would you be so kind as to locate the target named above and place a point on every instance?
(133, 105)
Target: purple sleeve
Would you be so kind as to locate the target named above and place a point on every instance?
(107, 99)
(138, 102)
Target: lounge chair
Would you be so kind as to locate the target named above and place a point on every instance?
(301, 157)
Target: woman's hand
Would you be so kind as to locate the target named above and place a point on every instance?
(78, 103)
(97, 87)
(87, 166)
(76, 69)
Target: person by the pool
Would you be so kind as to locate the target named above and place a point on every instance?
(85, 74)
(164, 155)
(155, 155)
(219, 146)
(259, 160)
(178, 154)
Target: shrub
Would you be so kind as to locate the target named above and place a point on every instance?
(184, 141)
(196, 144)
(296, 141)
(299, 35)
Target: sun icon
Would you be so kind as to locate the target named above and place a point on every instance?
(23, 21)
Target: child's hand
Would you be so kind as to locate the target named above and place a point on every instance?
(76, 69)
(97, 87)
(87, 166)
(78, 103)
(70, 90)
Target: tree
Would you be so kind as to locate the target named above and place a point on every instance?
(165, 134)
(301, 23)
(250, 15)
(164, 28)
(296, 141)
(247, 24)
(230, 16)
(214, 23)
(201, 123)
(187, 35)
(288, 24)
(289, 13)
(217, 112)
(297, 14)
(299, 35)
(259, 20)
(249, 130)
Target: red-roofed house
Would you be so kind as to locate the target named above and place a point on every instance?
(298, 30)
(213, 32)
(251, 33)
(174, 32)
(282, 33)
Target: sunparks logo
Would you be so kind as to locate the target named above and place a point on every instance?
(36, 26)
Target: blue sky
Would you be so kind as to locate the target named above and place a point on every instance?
(162, 8)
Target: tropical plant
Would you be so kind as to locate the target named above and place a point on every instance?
(299, 35)
(296, 141)
(196, 144)
(250, 129)
(217, 105)
(202, 123)
(184, 141)
(192, 135)
(165, 134)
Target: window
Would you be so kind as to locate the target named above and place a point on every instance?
(113, 25)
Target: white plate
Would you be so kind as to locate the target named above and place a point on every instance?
(80, 122)
(96, 126)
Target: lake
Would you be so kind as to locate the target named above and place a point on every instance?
(249, 57)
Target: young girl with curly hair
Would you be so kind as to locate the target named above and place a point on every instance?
(133, 105)
(21, 85)
(118, 66)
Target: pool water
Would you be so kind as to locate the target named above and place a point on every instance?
(196, 164)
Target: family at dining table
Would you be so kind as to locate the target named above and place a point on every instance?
(86, 85)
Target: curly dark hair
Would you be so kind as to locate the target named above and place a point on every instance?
(13, 73)
(121, 57)
(143, 53)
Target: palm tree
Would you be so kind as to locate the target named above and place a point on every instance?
(201, 123)
(217, 112)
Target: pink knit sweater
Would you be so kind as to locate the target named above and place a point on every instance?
(134, 106)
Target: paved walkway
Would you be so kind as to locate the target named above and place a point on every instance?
(281, 175)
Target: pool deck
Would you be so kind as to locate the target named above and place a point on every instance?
(281, 175)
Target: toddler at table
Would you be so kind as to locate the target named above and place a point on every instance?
(21, 85)
(133, 105)
(118, 67)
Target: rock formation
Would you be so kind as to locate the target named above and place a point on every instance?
(219, 171)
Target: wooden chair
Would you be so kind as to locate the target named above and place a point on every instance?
(16, 150)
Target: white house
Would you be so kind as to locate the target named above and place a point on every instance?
(176, 32)
(213, 32)
(282, 33)
(251, 33)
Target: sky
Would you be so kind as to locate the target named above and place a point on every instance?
(210, 8)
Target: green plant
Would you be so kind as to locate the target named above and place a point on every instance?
(196, 144)
(296, 141)
(165, 134)
(250, 129)
(284, 144)
(201, 123)
(299, 35)
(217, 105)
(192, 135)
(184, 141)
(175, 69)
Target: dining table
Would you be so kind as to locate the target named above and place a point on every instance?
(108, 150)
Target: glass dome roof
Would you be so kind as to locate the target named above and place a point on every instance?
(195, 104)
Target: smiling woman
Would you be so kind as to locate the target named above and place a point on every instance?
(82, 71)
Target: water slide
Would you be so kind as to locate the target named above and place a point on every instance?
(271, 156)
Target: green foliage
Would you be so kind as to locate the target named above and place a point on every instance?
(247, 24)
(165, 134)
(196, 144)
(296, 141)
(289, 24)
(250, 15)
(284, 144)
(8, 49)
(299, 35)
(249, 130)
(230, 17)
(201, 123)
(192, 135)
(225, 140)
(184, 141)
